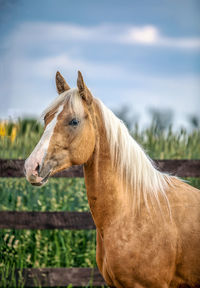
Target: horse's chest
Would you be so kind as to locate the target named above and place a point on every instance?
(127, 253)
(113, 256)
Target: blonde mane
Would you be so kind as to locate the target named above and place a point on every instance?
(143, 182)
(73, 98)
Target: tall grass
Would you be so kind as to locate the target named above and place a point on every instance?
(160, 144)
(62, 248)
(169, 143)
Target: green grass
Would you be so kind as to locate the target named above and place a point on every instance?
(62, 248)
(167, 144)
(45, 248)
(59, 194)
(28, 134)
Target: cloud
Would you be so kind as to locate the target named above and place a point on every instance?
(37, 50)
(68, 64)
(143, 35)
(34, 88)
(151, 35)
(147, 35)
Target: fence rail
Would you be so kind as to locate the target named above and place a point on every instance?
(46, 220)
(51, 277)
(181, 168)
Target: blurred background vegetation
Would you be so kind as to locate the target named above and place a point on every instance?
(62, 248)
(156, 64)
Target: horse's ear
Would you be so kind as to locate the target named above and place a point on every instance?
(61, 84)
(83, 90)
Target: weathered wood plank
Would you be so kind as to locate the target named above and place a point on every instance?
(181, 168)
(46, 220)
(15, 168)
(52, 277)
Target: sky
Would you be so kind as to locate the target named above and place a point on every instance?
(143, 54)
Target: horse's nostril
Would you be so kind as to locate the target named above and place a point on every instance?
(24, 170)
(37, 169)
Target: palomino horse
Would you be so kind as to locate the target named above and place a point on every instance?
(148, 223)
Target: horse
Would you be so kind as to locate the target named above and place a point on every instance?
(147, 222)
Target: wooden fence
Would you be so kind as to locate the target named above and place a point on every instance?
(51, 277)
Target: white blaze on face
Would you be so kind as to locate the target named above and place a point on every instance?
(38, 155)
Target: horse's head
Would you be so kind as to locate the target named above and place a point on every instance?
(69, 135)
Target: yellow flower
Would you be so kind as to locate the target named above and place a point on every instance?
(2, 129)
(13, 134)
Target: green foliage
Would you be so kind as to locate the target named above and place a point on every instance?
(167, 144)
(28, 133)
(64, 194)
(44, 248)
(62, 248)
(161, 119)
(158, 143)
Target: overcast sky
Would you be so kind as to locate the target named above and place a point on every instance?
(141, 53)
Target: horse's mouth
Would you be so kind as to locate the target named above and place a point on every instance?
(44, 180)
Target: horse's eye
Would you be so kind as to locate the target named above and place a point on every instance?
(74, 122)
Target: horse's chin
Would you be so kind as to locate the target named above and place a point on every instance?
(42, 182)
(39, 184)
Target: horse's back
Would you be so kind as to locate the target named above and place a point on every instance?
(185, 207)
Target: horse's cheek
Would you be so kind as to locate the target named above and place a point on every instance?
(83, 147)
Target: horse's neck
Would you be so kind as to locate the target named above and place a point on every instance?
(104, 188)
(103, 192)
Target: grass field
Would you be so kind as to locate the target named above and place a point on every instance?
(62, 248)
